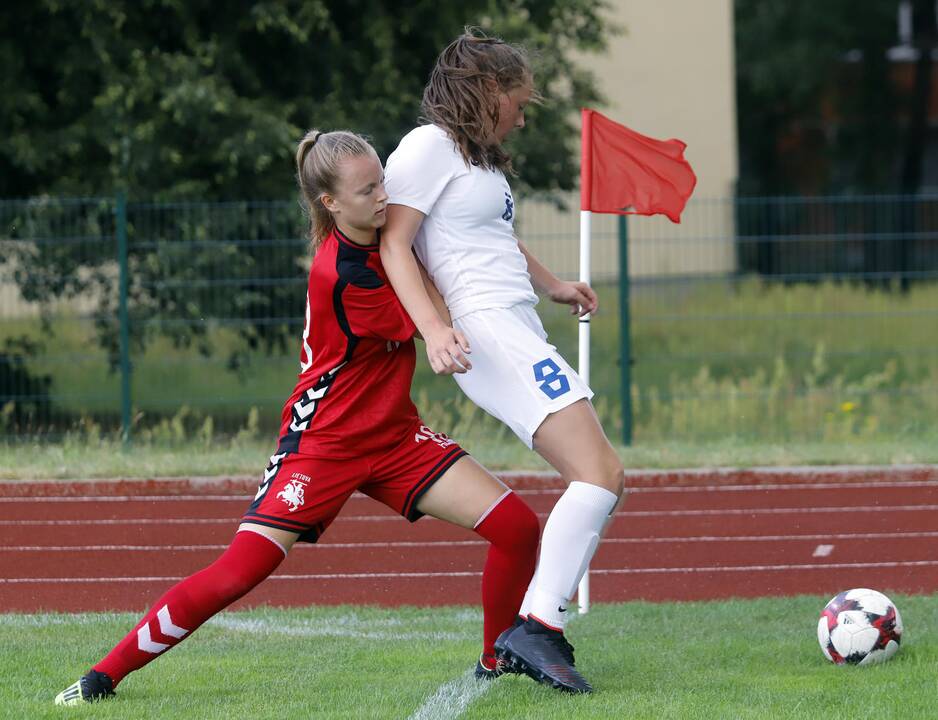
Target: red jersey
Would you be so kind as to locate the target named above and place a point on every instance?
(357, 358)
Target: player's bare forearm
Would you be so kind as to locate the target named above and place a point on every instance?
(578, 295)
(404, 273)
(541, 277)
(446, 347)
(434, 294)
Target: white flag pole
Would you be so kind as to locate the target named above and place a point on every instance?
(586, 191)
(583, 592)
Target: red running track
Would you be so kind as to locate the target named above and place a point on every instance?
(685, 535)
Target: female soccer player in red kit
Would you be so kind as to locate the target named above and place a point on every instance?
(349, 425)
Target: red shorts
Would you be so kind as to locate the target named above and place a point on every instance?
(303, 494)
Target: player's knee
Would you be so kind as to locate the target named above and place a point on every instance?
(526, 527)
(512, 526)
(243, 566)
(617, 478)
(606, 472)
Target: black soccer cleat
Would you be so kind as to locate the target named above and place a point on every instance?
(90, 688)
(484, 673)
(542, 654)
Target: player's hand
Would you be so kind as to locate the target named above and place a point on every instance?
(446, 350)
(578, 295)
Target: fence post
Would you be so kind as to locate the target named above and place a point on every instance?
(123, 318)
(625, 330)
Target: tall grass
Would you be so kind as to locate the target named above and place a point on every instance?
(712, 359)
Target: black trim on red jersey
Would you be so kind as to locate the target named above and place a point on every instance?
(410, 510)
(352, 269)
(342, 319)
(351, 265)
(290, 443)
(308, 404)
(342, 237)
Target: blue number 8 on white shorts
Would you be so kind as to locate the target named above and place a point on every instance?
(517, 376)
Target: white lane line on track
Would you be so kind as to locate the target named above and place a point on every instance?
(452, 698)
(913, 535)
(800, 487)
(310, 576)
(467, 574)
(840, 509)
(776, 511)
(297, 546)
(679, 489)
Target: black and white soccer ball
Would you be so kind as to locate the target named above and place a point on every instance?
(859, 627)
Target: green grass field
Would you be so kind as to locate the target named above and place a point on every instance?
(729, 659)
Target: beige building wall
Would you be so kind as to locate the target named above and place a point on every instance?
(670, 73)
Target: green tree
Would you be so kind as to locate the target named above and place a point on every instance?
(172, 100)
(205, 99)
(816, 104)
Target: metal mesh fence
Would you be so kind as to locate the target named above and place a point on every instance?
(768, 318)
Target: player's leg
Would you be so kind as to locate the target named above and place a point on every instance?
(571, 440)
(428, 473)
(521, 379)
(297, 499)
(469, 496)
(254, 553)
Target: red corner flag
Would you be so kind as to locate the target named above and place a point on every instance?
(626, 173)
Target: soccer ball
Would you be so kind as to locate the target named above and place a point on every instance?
(859, 627)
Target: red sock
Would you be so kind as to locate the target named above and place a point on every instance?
(249, 559)
(512, 528)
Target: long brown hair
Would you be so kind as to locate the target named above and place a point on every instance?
(459, 96)
(318, 157)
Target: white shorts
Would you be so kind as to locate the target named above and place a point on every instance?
(516, 376)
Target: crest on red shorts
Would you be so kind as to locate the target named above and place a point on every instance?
(292, 494)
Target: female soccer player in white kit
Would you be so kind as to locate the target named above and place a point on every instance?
(450, 201)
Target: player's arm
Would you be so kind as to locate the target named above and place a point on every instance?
(578, 295)
(445, 346)
(435, 297)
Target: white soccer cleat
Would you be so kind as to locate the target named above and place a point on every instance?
(90, 688)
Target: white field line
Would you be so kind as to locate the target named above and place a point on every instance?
(913, 535)
(448, 702)
(679, 489)
(452, 698)
(39, 620)
(351, 629)
(474, 574)
(350, 626)
(839, 509)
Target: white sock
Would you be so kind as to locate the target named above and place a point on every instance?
(571, 535)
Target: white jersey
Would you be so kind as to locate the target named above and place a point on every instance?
(466, 241)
